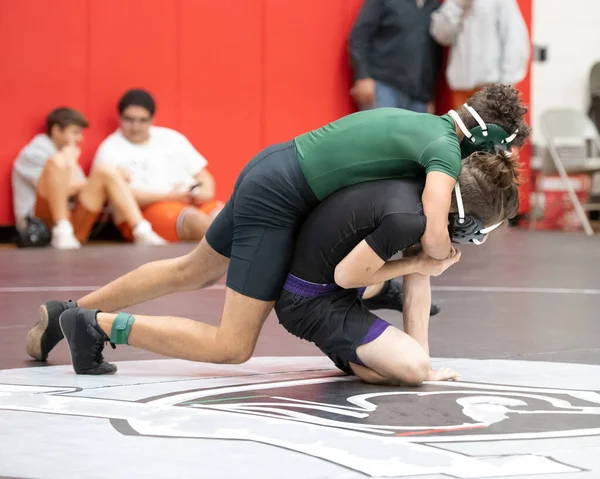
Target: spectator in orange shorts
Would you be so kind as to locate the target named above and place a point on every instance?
(48, 183)
(168, 176)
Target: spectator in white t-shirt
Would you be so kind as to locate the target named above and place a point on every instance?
(48, 183)
(167, 175)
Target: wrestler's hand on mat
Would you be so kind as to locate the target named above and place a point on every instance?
(428, 266)
(442, 374)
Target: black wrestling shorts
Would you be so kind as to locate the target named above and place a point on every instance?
(332, 318)
(258, 226)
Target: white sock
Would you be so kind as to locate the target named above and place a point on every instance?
(63, 226)
(142, 227)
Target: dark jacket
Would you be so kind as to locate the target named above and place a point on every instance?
(390, 42)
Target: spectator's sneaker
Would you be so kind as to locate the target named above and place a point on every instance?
(391, 297)
(46, 334)
(86, 341)
(144, 234)
(63, 236)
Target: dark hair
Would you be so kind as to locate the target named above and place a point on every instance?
(64, 117)
(489, 186)
(137, 98)
(501, 105)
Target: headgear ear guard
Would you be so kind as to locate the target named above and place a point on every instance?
(485, 137)
(465, 229)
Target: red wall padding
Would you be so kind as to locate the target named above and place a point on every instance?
(525, 87)
(43, 63)
(232, 75)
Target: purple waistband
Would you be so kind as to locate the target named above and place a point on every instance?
(306, 289)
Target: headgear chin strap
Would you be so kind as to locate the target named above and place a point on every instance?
(486, 137)
(465, 229)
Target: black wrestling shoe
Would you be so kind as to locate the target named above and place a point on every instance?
(46, 334)
(391, 297)
(86, 341)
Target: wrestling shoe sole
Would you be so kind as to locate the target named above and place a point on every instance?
(35, 334)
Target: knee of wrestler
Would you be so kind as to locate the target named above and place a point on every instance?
(238, 355)
(415, 370)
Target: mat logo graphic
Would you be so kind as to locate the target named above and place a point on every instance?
(434, 411)
(378, 431)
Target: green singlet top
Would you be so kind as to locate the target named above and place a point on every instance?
(377, 144)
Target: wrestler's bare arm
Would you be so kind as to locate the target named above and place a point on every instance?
(363, 267)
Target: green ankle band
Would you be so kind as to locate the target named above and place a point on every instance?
(121, 327)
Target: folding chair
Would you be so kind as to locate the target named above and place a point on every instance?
(569, 133)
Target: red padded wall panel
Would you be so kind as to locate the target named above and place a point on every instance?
(525, 87)
(221, 83)
(133, 44)
(306, 66)
(42, 66)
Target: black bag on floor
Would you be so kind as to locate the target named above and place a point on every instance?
(35, 235)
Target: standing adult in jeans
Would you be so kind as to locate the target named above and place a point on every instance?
(393, 56)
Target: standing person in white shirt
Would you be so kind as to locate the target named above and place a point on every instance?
(489, 44)
(48, 183)
(168, 176)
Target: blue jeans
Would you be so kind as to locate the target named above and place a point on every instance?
(388, 96)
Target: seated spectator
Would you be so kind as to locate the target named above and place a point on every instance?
(48, 183)
(168, 176)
